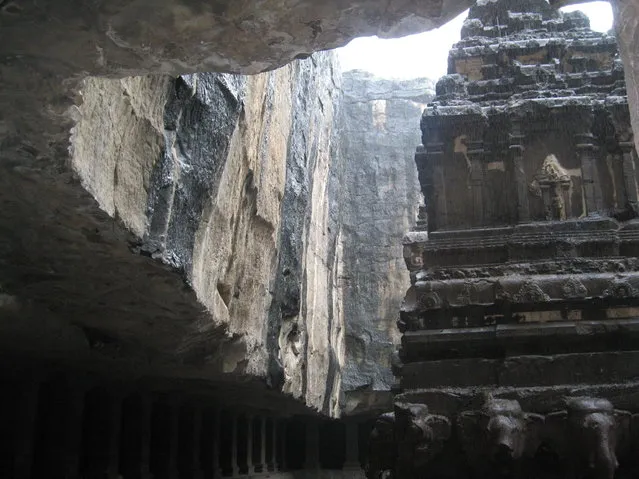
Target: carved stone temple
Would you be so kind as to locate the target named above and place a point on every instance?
(520, 348)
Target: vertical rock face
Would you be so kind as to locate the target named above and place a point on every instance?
(379, 130)
(229, 179)
(281, 198)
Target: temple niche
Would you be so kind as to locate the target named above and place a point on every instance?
(521, 324)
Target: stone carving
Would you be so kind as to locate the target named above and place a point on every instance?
(382, 449)
(420, 437)
(430, 300)
(620, 289)
(530, 292)
(573, 289)
(532, 247)
(499, 436)
(464, 296)
(403, 442)
(553, 184)
(587, 434)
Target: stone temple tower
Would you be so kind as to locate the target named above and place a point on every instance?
(520, 349)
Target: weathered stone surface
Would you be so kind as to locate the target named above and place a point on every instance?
(133, 37)
(378, 129)
(523, 293)
(226, 179)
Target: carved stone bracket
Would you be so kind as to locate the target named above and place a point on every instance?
(500, 439)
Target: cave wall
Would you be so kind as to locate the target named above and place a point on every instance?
(379, 125)
(231, 180)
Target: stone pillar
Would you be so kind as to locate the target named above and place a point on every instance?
(352, 446)
(23, 443)
(437, 208)
(195, 452)
(425, 176)
(261, 467)
(272, 461)
(516, 148)
(174, 419)
(283, 464)
(115, 422)
(146, 405)
(586, 149)
(217, 418)
(312, 445)
(475, 154)
(73, 431)
(234, 439)
(249, 443)
(629, 174)
(624, 135)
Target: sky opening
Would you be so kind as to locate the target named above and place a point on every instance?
(426, 54)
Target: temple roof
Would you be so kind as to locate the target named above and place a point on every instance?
(501, 18)
(514, 52)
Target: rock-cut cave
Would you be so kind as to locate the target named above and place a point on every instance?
(223, 256)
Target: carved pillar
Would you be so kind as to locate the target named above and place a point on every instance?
(73, 430)
(425, 176)
(625, 139)
(475, 154)
(629, 174)
(272, 460)
(516, 148)
(196, 470)
(282, 463)
(146, 409)
(312, 445)
(215, 458)
(352, 445)
(620, 116)
(115, 421)
(261, 467)
(249, 443)
(23, 443)
(586, 149)
(234, 439)
(437, 209)
(173, 431)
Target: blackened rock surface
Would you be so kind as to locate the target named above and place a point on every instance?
(379, 128)
(216, 254)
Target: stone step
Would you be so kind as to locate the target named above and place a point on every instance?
(549, 338)
(522, 371)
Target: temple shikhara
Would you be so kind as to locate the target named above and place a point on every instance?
(520, 327)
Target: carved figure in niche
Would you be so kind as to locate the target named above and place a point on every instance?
(553, 184)
(419, 436)
(498, 437)
(382, 448)
(588, 434)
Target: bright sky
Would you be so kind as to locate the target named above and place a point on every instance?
(426, 54)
